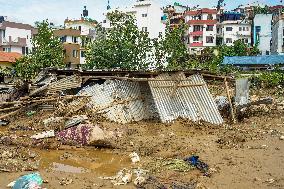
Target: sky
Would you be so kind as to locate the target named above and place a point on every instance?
(56, 11)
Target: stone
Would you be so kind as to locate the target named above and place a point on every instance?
(281, 138)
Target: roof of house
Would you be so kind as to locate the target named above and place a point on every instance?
(254, 60)
(9, 56)
(201, 11)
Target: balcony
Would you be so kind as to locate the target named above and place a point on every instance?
(196, 44)
(21, 42)
(196, 33)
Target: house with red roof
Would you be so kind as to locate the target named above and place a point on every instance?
(7, 59)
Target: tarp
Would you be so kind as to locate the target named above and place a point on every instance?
(254, 60)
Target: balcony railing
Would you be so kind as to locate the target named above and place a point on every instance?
(196, 44)
(17, 42)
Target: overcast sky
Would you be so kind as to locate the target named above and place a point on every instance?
(29, 11)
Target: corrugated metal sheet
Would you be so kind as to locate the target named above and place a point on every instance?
(69, 82)
(254, 60)
(121, 101)
(177, 96)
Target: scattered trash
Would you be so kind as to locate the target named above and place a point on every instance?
(75, 120)
(31, 181)
(270, 181)
(4, 122)
(65, 181)
(194, 161)
(45, 134)
(177, 165)
(123, 177)
(134, 157)
(31, 113)
(281, 137)
(184, 185)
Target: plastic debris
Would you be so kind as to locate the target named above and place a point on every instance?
(4, 122)
(134, 157)
(31, 181)
(123, 177)
(194, 161)
(45, 134)
(31, 113)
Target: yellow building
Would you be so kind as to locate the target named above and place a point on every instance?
(7, 59)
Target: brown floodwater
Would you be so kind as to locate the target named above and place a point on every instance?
(81, 160)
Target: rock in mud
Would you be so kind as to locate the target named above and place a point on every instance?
(86, 134)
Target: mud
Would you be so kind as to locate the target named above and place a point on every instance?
(248, 154)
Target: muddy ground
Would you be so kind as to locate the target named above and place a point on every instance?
(248, 154)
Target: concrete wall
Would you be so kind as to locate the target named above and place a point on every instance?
(236, 34)
(265, 35)
(277, 38)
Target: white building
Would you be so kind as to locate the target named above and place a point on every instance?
(148, 16)
(262, 33)
(233, 26)
(16, 37)
(277, 45)
(202, 29)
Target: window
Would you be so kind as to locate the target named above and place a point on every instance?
(247, 28)
(104, 21)
(209, 39)
(27, 50)
(209, 28)
(209, 17)
(144, 15)
(197, 28)
(63, 39)
(244, 28)
(144, 29)
(240, 28)
(229, 29)
(7, 49)
(23, 50)
(82, 53)
(195, 38)
(75, 53)
(229, 40)
(80, 28)
(74, 39)
(257, 29)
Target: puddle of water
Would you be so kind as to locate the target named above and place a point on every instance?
(103, 162)
(68, 168)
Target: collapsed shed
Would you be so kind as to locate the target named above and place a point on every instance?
(124, 98)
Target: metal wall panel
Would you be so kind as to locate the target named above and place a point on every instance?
(69, 82)
(184, 100)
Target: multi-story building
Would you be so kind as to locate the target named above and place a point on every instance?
(148, 15)
(174, 14)
(262, 32)
(202, 29)
(16, 37)
(277, 45)
(233, 26)
(75, 35)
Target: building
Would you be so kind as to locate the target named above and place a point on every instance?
(174, 14)
(262, 32)
(202, 29)
(148, 15)
(72, 42)
(277, 45)
(7, 59)
(16, 37)
(75, 34)
(233, 26)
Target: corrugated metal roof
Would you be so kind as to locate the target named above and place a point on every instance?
(184, 97)
(121, 101)
(254, 60)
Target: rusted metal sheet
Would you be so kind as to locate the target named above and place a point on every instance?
(120, 101)
(179, 96)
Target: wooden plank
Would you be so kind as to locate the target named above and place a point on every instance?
(229, 99)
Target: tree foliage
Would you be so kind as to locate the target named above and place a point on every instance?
(122, 46)
(47, 52)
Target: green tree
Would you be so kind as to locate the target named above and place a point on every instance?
(171, 48)
(122, 46)
(47, 52)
